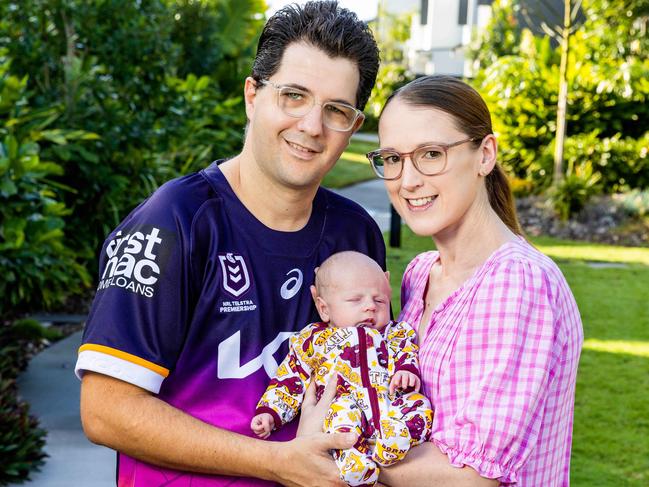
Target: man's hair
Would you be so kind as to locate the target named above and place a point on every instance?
(335, 30)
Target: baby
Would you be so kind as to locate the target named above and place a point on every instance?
(375, 360)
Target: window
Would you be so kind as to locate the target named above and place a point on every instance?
(464, 11)
(424, 12)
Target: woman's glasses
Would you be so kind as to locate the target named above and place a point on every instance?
(429, 159)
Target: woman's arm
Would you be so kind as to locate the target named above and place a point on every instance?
(426, 466)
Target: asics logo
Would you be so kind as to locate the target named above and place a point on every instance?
(292, 285)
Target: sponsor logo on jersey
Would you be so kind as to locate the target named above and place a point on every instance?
(229, 364)
(236, 280)
(135, 260)
(292, 285)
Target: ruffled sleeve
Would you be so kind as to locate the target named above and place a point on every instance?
(492, 397)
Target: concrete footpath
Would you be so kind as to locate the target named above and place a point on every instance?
(52, 390)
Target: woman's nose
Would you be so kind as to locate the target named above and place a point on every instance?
(411, 178)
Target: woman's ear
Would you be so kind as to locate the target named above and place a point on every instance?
(489, 153)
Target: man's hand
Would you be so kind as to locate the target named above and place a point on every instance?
(306, 461)
(262, 424)
(404, 381)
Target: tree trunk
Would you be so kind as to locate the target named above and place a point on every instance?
(563, 96)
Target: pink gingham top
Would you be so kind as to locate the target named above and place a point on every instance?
(499, 361)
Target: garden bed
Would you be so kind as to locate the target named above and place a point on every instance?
(606, 219)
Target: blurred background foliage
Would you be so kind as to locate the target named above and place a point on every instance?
(391, 31)
(608, 77)
(101, 101)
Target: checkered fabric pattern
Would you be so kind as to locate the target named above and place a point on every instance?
(499, 361)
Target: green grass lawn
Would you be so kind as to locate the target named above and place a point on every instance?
(352, 167)
(611, 430)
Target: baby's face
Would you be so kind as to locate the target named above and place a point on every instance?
(359, 298)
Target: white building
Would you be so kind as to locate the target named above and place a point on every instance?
(441, 30)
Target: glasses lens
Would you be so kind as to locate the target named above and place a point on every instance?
(294, 102)
(338, 116)
(387, 164)
(430, 159)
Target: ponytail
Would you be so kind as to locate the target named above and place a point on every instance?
(501, 199)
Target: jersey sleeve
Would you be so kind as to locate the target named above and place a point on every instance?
(500, 373)
(138, 319)
(285, 393)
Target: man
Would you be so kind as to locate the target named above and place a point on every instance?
(202, 284)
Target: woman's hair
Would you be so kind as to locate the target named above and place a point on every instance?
(325, 25)
(472, 117)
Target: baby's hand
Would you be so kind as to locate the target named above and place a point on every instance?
(404, 380)
(262, 425)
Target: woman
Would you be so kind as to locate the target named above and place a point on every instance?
(499, 330)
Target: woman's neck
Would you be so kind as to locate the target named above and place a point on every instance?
(466, 246)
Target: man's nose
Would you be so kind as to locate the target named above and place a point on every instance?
(312, 123)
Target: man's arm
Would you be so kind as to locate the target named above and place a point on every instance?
(131, 420)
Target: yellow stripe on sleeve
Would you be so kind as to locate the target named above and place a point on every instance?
(125, 356)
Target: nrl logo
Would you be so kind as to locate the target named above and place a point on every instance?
(236, 280)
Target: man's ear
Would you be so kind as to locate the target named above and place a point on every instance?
(249, 95)
(358, 124)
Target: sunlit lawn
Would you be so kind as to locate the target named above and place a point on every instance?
(352, 167)
(611, 432)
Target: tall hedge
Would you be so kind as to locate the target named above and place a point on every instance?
(159, 82)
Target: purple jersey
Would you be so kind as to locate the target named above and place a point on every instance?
(197, 298)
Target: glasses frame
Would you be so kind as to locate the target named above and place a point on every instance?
(403, 155)
(357, 112)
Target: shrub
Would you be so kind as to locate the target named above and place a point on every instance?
(21, 439)
(38, 269)
(121, 69)
(635, 203)
(574, 191)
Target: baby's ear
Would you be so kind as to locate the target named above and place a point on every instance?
(387, 274)
(323, 309)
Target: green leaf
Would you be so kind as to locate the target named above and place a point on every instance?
(11, 146)
(7, 187)
(4, 165)
(13, 231)
(57, 136)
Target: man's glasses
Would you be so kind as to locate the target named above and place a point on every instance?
(295, 102)
(429, 159)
